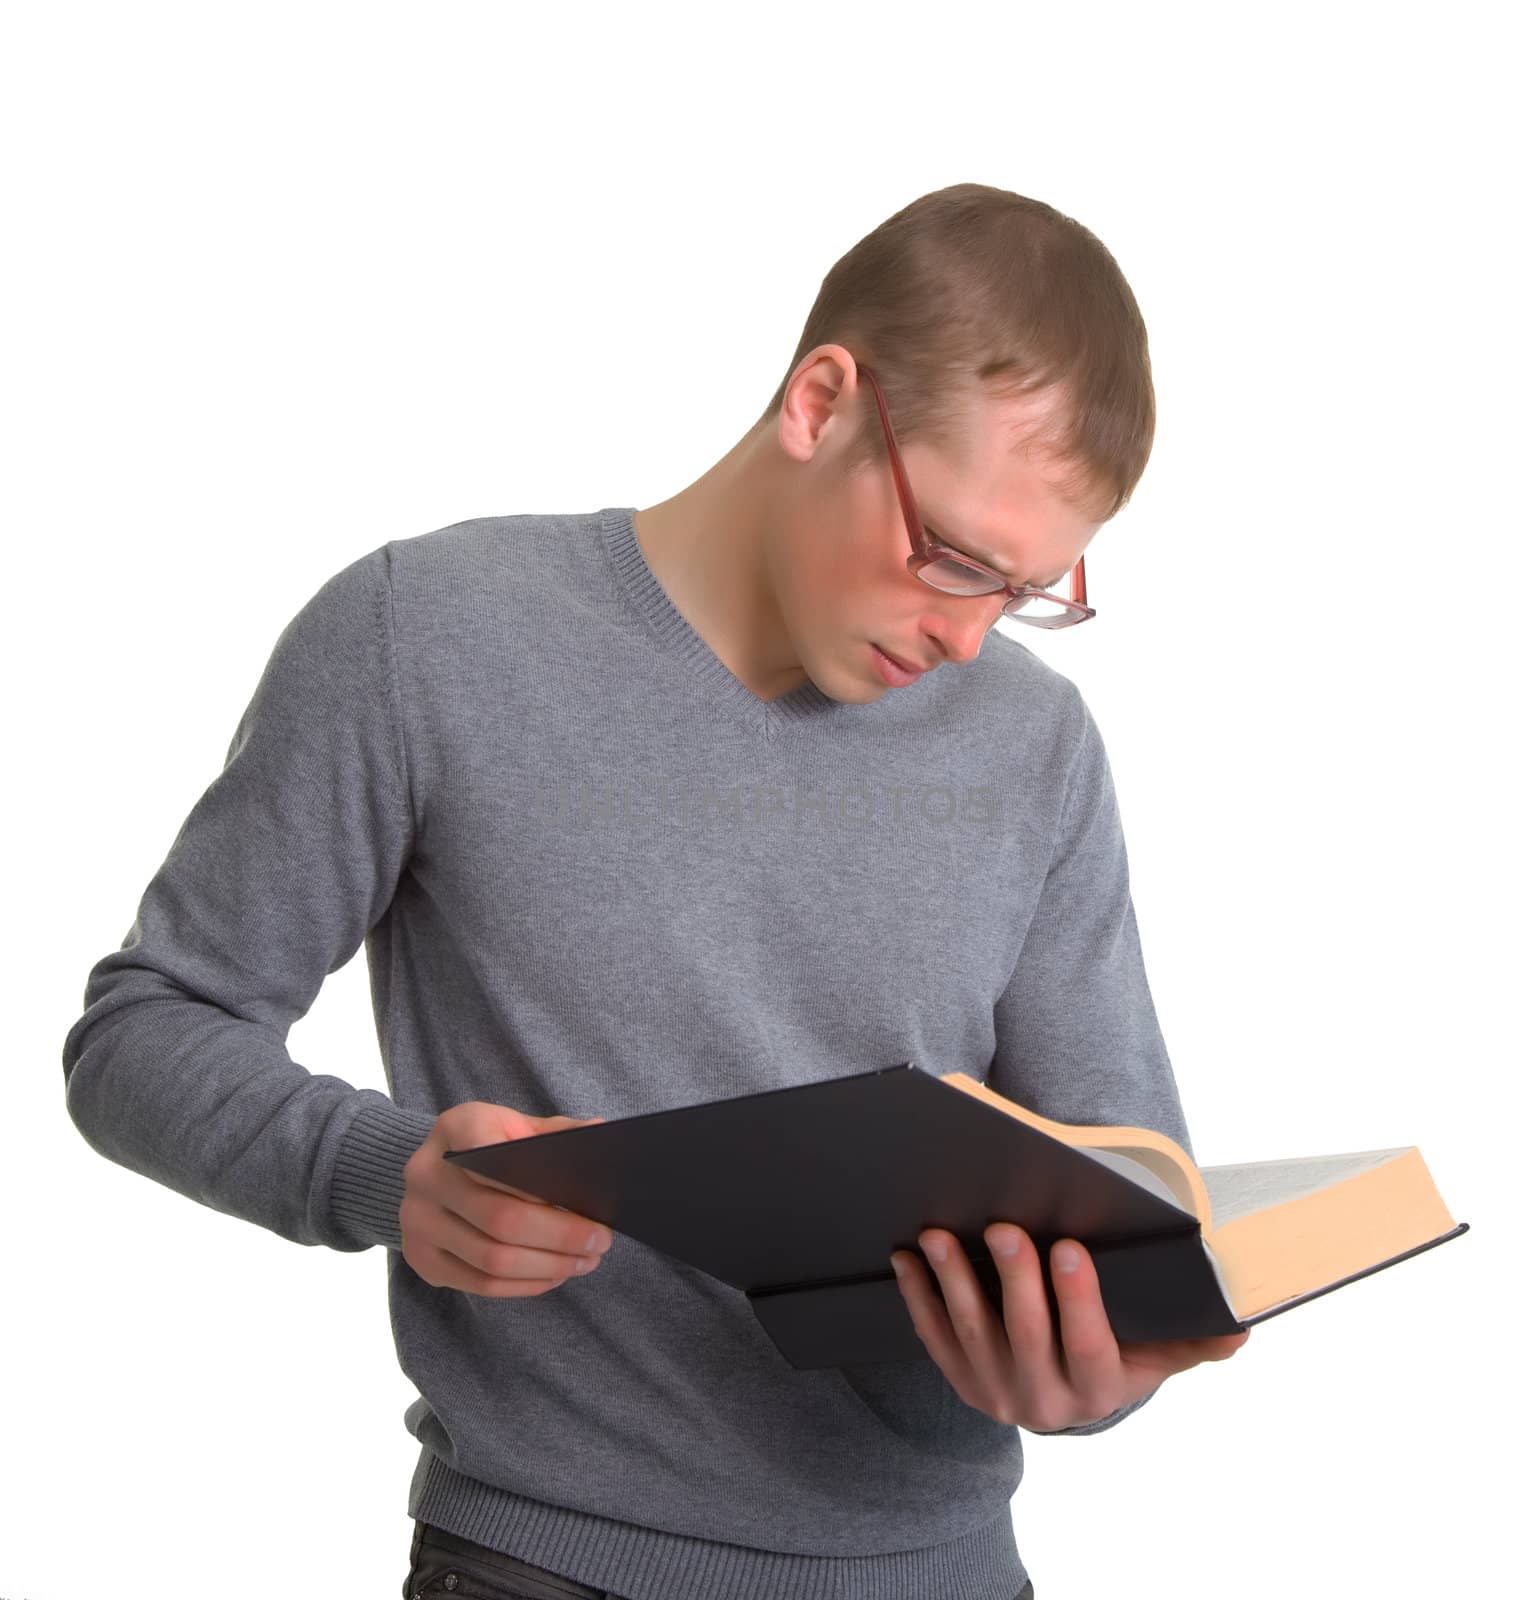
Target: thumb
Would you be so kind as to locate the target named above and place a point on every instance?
(520, 1125)
(558, 1124)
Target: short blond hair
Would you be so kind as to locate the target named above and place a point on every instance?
(974, 287)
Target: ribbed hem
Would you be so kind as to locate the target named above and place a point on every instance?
(636, 1563)
(677, 635)
(367, 1177)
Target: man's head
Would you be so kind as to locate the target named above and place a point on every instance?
(1014, 364)
(971, 294)
(839, 544)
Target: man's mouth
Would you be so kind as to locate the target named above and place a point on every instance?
(903, 666)
(893, 671)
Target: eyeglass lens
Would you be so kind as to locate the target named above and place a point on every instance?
(954, 577)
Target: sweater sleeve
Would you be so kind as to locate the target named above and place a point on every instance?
(178, 1067)
(1076, 1035)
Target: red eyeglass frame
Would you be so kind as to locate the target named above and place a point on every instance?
(926, 550)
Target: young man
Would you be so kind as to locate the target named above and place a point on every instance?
(633, 808)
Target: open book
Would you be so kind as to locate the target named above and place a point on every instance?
(798, 1197)
(1277, 1232)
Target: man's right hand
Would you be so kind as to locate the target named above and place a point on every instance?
(464, 1231)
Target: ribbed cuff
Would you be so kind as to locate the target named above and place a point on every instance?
(367, 1177)
(1100, 1424)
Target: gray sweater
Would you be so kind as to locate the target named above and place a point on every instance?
(595, 875)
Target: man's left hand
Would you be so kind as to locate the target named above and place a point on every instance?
(1015, 1368)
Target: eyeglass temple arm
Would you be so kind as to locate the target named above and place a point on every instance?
(1077, 589)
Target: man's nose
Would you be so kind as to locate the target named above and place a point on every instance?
(960, 630)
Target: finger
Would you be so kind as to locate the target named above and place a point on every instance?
(1028, 1318)
(485, 1182)
(524, 1220)
(1091, 1356)
(457, 1274)
(499, 1259)
(557, 1124)
(968, 1325)
(474, 1215)
(504, 1188)
(928, 1312)
(1215, 1348)
(1168, 1356)
(918, 1287)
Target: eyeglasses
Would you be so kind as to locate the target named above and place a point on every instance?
(953, 573)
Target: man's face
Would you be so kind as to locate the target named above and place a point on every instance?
(846, 588)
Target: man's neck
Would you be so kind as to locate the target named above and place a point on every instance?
(715, 547)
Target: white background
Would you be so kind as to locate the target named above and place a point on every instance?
(289, 281)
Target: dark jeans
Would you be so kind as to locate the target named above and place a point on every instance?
(445, 1565)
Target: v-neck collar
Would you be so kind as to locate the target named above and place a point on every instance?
(678, 635)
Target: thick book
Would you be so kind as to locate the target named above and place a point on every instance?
(799, 1196)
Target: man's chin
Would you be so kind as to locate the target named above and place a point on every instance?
(853, 692)
(837, 682)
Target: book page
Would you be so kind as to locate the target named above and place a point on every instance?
(1149, 1157)
(1136, 1172)
(1238, 1191)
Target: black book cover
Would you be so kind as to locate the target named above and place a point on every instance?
(798, 1197)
